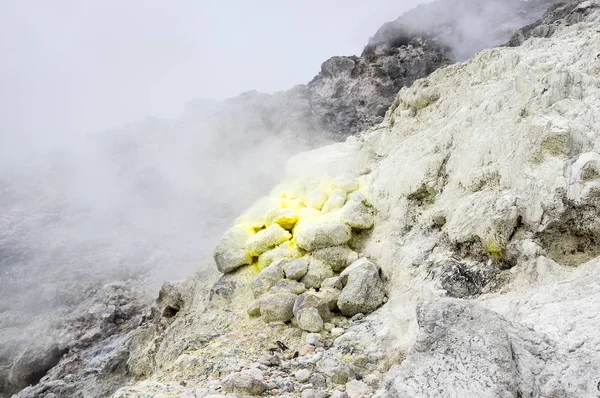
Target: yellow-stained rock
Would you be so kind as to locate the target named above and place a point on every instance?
(316, 198)
(336, 201)
(286, 218)
(231, 252)
(266, 239)
(287, 249)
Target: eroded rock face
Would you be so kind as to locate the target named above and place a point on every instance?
(472, 351)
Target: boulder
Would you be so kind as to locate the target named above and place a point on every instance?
(249, 382)
(312, 300)
(360, 263)
(358, 389)
(335, 283)
(309, 320)
(330, 296)
(267, 278)
(316, 199)
(266, 239)
(253, 308)
(357, 215)
(285, 250)
(231, 252)
(285, 218)
(316, 274)
(336, 200)
(277, 307)
(317, 233)
(337, 257)
(296, 269)
(363, 292)
(290, 286)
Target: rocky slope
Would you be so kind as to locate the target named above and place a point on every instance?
(483, 184)
(477, 190)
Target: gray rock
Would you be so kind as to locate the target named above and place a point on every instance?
(249, 382)
(312, 235)
(313, 339)
(231, 253)
(309, 319)
(289, 286)
(277, 307)
(360, 263)
(337, 370)
(337, 257)
(302, 375)
(335, 283)
(318, 380)
(254, 308)
(364, 291)
(464, 350)
(357, 215)
(318, 271)
(330, 296)
(296, 269)
(358, 389)
(268, 278)
(312, 300)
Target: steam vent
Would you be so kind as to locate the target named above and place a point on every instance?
(299, 243)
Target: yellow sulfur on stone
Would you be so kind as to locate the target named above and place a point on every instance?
(316, 198)
(266, 239)
(346, 183)
(231, 252)
(336, 201)
(286, 218)
(287, 249)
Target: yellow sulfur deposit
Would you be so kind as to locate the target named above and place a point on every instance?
(336, 201)
(284, 217)
(297, 217)
(267, 239)
(287, 249)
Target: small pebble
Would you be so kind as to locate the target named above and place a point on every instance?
(302, 375)
(306, 349)
(337, 331)
(328, 326)
(313, 339)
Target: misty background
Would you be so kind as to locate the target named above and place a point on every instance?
(120, 156)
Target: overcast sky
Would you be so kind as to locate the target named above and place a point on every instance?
(73, 66)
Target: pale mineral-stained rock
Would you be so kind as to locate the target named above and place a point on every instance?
(254, 308)
(330, 296)
(317, 234)
(266, 239)
(316, 199)
(337, 257)
(286, 218)
(296, 269)
(317, 272)
(277, 307)
(245, 382)
(231, 252)
(290, 286)
(334, 283)
(357, 215)
(363, 292)
(284, 250)
(358, 389)
(309, 320)
(268, 278)
(310, 299)
(336, 200)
